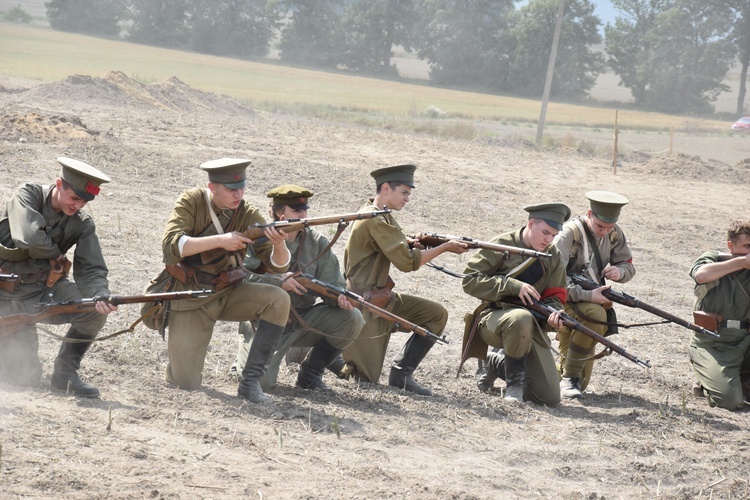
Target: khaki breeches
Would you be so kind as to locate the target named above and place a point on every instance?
(19, 360)
(340, 326)
(368, 351)
(518, 333)
(720, 370)
(575, 346)
(190, 330)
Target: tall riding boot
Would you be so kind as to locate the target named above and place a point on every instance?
(337, 365)
(266, 337)
(515, 378)
(413, 352)
(67, 363)
(311, 370)
(494, 368)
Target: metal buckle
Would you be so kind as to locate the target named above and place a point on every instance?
(733, 323)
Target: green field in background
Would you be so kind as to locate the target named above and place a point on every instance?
(46, 55)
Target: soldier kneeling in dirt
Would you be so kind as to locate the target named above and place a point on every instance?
(722, 304)
(327, 326)
(525, 359)
(203, 249)
(38, 227)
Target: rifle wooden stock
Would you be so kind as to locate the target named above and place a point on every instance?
(15, 322)
(570, 322)
(433, 239)
(256, 232)
(332, 291)
(630, 301)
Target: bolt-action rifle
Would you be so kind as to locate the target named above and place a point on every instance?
(15, 322)
(630, 301)
(256, 232)
(544, 310)
(433, 239)
(8, 277)
(332, 292)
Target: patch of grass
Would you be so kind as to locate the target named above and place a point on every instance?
(31, 52)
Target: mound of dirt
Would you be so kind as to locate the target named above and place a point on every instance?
(118, 90)
(41, 127)
(681, 166)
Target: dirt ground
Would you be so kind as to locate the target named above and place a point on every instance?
(637, 434)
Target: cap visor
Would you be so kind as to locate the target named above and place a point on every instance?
(82, 194)
(302, 206)
(553, 224)
(610, 220)
(235, 185)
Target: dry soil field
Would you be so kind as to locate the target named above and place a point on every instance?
(637, 434)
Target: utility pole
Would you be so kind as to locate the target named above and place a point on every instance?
(550, 71)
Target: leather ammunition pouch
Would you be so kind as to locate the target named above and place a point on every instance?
(181, 272)
(9, 285)
(59, 268)
(227, 278)
(709, 321)
(380, 297)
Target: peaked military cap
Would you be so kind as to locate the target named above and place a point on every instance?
(289, 194)
(400, 173)
(227, 171)
(83, 178)
(554, 214)
(606, 205)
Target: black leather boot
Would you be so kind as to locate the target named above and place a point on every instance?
(337, 365)
(266, 338)
(311, 370)
(65, 375)
(413, 352)
(515, 378)
(494, 368)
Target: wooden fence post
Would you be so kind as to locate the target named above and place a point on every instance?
(614, 148)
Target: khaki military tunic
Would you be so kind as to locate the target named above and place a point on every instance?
(576, 348)
(515, 329)
(32, 233)
(375, 244)
(722, 363)
(340, 326)
(191, 321)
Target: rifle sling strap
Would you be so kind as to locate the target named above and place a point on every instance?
(339, 230)
(130, 329)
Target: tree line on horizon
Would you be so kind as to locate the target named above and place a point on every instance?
(673, 55)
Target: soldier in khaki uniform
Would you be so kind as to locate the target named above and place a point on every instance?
(722, 288)
(593, 245)
(326, 325)
(524, 360)
(375, 244)
(38, 227)
(204, 220)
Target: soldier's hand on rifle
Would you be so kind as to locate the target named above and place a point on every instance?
(234, 241)
(611, 273)
(414, 242)
(276, 237)
(105, 308)
(528, 294)
(292, 285)
(597, 297)
(554, 320)
(454, 246)
(344, 302)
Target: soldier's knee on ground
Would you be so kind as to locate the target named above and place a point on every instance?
(184, 381)
(730, 401)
